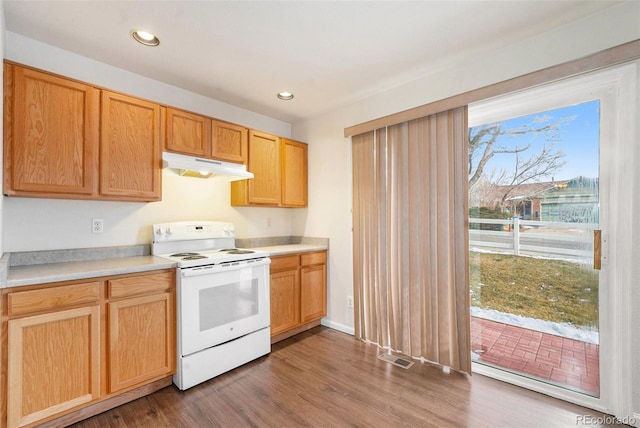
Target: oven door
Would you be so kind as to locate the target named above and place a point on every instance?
(221, 302)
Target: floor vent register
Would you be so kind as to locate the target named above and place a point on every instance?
(405, 363)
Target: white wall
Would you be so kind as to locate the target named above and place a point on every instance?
(42, 224)
(329, 152)
(329, 210)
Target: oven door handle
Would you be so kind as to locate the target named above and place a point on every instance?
(223, 267)
(197, 271)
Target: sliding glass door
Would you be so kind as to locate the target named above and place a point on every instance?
(546, 190)
(534, 219)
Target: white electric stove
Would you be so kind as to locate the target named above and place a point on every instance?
(222, 298)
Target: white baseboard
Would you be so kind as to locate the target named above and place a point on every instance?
(337, 326)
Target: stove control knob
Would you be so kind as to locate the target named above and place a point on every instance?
(168, 231)
(159, 231)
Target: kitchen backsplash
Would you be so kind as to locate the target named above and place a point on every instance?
(24, 258)
(279, 240)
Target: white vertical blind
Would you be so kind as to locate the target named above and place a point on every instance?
(411, 238)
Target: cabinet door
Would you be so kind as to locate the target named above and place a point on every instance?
(264, 162)
(142, 340)
(294, 173)
(130, 148)
(313, 292)
(229, 142)
(285, 300)
(53, 363)
(188, 133)
(51, 135)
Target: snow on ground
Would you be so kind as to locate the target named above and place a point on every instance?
(569, 259)
(559, 329)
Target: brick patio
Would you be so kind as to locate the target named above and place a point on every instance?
(554, 359)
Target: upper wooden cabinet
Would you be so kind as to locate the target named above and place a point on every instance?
(196, 135)
(229, 142)
(66, 139)
(279, 166)
(188, 133)
(130, 148)
(264, 162)
(294, 173)
(51, 132)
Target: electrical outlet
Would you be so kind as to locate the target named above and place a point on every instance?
(349, 301)
(97, 225)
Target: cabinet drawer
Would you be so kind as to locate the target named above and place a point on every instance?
(280, 263)
(50, 299)
(142, 284)
(318, 258)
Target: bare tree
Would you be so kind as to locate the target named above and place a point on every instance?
(529, 166)
(541, 165)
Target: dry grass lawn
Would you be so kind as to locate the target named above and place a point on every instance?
(551, 290)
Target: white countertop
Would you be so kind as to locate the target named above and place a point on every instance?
(72, 270)
(66, 271)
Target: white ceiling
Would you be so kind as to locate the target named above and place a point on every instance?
(327, 53)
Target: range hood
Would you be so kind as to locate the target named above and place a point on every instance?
(205, 168)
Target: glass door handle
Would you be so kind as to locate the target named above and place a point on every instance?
(597, 249)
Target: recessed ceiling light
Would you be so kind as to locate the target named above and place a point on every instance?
(285, 95)
(145, 38)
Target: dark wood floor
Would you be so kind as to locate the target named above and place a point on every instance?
(324, 378)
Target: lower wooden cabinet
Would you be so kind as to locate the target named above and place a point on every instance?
(141, 329)
(53, 363)
(285, 300)
(313, 292)
(74, 344)
(298, 293)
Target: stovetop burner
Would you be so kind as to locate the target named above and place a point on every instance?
(199, 243)
(237, 251)
(194, 257)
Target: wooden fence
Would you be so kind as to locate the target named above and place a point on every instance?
(573, 241)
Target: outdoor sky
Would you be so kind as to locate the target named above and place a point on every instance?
(578, 139)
